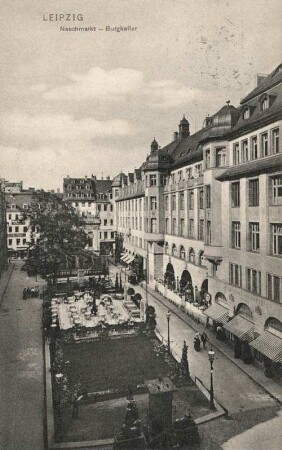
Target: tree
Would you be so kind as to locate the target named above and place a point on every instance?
(57, 234)
(184, 365)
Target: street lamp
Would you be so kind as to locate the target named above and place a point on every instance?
(168, 314)
(59, 380)
(211, 354)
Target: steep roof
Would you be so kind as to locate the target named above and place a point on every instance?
(18, 198)
(272, 79)
(256, 167)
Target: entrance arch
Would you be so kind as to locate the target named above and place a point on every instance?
(169, 277)
(244, 310)
(186, 286)
(205, 286)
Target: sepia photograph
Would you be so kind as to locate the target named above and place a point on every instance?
(141, 225)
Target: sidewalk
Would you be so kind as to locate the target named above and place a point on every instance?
(256, 375)
(272, 388)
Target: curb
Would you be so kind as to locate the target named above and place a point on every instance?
(7, 282)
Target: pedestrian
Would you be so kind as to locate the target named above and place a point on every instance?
(219, 332)
(204, 339)
(75, 403)
(24, 294)
(28, 293)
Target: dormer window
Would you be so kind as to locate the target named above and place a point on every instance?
(25, 206)
(13, 206)
(246, 113)
(264, 103)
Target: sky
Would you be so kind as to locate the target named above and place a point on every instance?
(90, 102)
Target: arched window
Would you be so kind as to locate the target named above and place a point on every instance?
(201, 258)
(182, 252)
(244, 310)
(246, 113)
(174, 250)
(13, 206)
(166, 248)
(192, 255)
(274, 326)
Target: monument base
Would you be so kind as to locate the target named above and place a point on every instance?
(130, 443)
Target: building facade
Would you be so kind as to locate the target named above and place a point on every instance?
(3, 229)
(19, 230)
(205, 215)
(92, 198)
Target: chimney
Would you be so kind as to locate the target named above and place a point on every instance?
(58, 190)
(175, 136)
(260, 78)
(108, 177)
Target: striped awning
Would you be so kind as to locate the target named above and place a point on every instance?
(130, 259)
(217, 313)
(242, 328)
(269, 345)
(124, 256)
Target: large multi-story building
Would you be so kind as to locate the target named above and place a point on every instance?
(19, 231)
(204, 216)
(92, 198)
(3, 228)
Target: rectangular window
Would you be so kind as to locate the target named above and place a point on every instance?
(181, 200)
(174, 202)
(201, 229)
(16, 229)
(235, 194)
(153, 225)
(112, 234)
(180, 175)
(264, 144)
(105, 235)
(236, 235)
(98, 206)
(188, 173)
(208, 159)
(174, 231)
(201, 198)
(140, 223)
(236, 154)
(220, 155)
(105, 222)
(10, 241)
(276, 190)
(254, 192)
(191, 228)
(9, 216)
(199, 169)
(166, 202)
(191, 199)
(274, 288)
(245, 151)
(167, 225)
(10, 229)
(253, 281)
(275, 140)
(254, 236)
(153, 203)
(254, 148)
(18, 241)
(153, 180)
(276, 238)
(235, 274)
(182, 227)
(208, 196)
(209, 236)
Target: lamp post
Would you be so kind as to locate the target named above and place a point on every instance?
(168, 314)
(211, 359)
(59, 379)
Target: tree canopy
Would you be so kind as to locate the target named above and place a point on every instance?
(57, 233)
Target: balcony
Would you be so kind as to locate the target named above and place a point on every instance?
(154, 237)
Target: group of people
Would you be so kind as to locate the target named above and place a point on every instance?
(198, 339)
(30, 292)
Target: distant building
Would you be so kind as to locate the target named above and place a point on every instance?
(19, 231)
(93, 200)
(3, 229)
(203, 218)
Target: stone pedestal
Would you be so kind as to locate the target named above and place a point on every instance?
(135, 443)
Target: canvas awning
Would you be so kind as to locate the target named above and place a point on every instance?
(269, 345)
(242, 328)
(124, 256)
(217, 313)
(130, 259)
